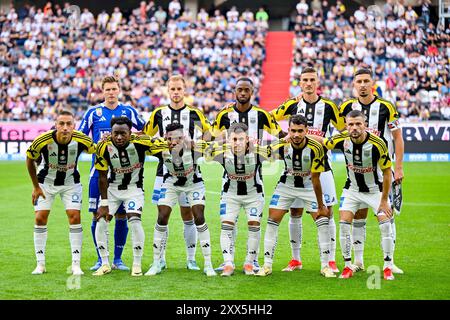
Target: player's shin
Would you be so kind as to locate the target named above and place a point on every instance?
(101, 234)
(345, 237)
(332, 230)
(190, 237)
(394, 236)
(227, 243)
(93, 227)
(120, 237)
(254, 236)
(323, 233)
(137, 238)
(387, 243)
(270, 242)
(76, 240)
(359, 238)
(295, 236)
(205, 242)
(159, 242)
(40, 241)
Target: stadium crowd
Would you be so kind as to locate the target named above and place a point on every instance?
(45, 63)
(408, 53)
(48, 60)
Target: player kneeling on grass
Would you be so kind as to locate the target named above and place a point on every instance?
(242, 188)
(368, 183)
(304, 161)
(58, 175)
(181, 158)
(120, 162)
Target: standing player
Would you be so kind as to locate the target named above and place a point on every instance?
(304, 161)
(320, 113)
(256, 119)
(97, 122)
(183, 176)
(243, 188)
(122, 155)
(58, 175)
(368, 182)
(194, 123)
(381, 120)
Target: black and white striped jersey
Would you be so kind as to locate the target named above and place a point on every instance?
(381, 115)
(182, 165)
(242, 173)
(299, 162)
(126, 164)
(319, 115)
(59, 161)
(365, 161)
(257, 120)
(193, 120)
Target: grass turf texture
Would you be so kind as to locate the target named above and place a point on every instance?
(422, 247)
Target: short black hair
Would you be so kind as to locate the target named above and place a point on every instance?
(355, 114)
(363, 71)
(65, 113)
(238, 127)
(245, 79)
(298, 119)
(121, 120)
(174, 126)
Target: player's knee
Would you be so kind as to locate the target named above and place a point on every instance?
(186, 213)
(40, 220)
(296, 212)
(254, 223)
(199, 220)
(227, 223)
(361, 214)
(163, 219)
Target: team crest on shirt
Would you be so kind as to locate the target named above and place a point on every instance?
(184, 117)
(367, 153)
(346, 144)
(72, 152)
(99, 112)
(306, 158)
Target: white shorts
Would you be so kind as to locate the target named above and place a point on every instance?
(70, 196)
(283, 197)
(353, 200)
(230, 207)
(328, 190)
(182, 199)
(132, 199)
(170, 194)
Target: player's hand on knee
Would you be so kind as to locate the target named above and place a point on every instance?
(103, 212)
(323, 212)
(37, 192)
(385, 209)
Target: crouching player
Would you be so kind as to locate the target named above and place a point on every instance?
(120, 162)
(58, 175)
(304, 161)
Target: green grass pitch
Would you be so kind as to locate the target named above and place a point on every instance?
(422, 250)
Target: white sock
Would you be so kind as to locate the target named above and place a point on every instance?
(159, 242)
(205, 242)
(332, 230)
(345, 237)
(386, 242)
(359, 237)
(270, 242)
(323, 232)
(40, 241)
(295, 236)
(76, 240)
(101, 235)
(227, 243)
(254, 236)
(190, 237)
(137, 239)
(163, 250)
(394, 237)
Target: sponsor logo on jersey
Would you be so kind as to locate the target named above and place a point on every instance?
(62, 168)
(296, 173)
(183, 173)
(316, 132)
(129, 169)
(358, 169)
(53, 154)
(99, 112)
(241, 177)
